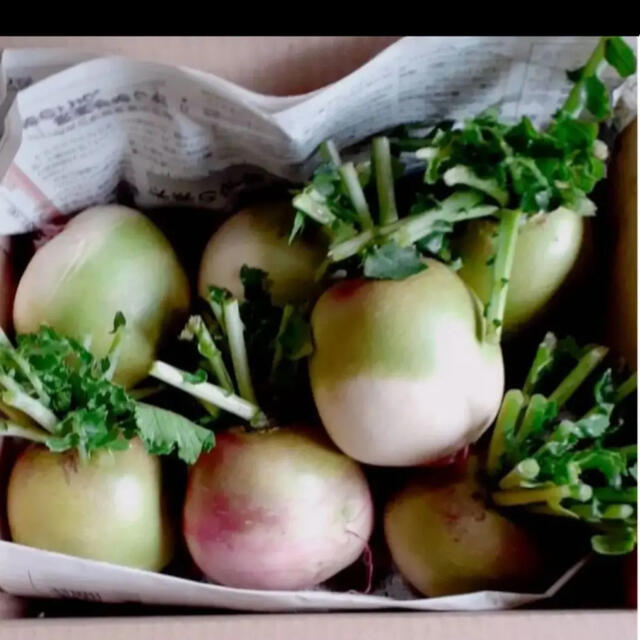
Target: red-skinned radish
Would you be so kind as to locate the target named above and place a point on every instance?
(277, 509)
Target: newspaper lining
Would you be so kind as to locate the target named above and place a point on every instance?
(175, 136)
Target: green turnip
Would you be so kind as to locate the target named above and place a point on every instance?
(109, 507)
(108, 259)
(258, 237)
(400, 374)
(445, 540)
(278, 509)
(547, 250)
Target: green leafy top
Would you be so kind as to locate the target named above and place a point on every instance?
(516, 166)
(54, 391)
(262, 344)
(521, 167)
(563, 463)
(478, 168)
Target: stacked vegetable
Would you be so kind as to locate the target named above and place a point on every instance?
(380, 327)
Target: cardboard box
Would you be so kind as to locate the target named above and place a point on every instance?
(282, 66)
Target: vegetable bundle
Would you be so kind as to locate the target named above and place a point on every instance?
(375, 337)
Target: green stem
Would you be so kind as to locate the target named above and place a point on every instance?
(554, 494)
(464, 175)
(525, 471)
(575, 100)
(363, 170)
(19, 400)
(533, 418)
(556, 510)
(207, 347)
(238, 349)
(381, 152)
(629, 451)
(10, 429)
(314, 205)
(351, 183)
(113, 354)
(516, 497)
(578, 375)
(208, 392)
(25, 368)
(626, 388)
(277, 354)
(541, 361)
(216, 308)
(329, 152)
(196, 328)
(321, 271)
(507, 239)
(584, 512)
(504, 429)
(617, 512)
(413, 228)
(351, 247)
(455, 208)
(18, 417)
(607, 494)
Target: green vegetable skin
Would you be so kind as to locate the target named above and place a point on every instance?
(547, 251)
(445, 540)
(108, 259)
(259, 237)
(400, 374)
(110, 508)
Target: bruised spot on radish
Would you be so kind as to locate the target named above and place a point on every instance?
(230, 516)
(457, 460)
(347, 289)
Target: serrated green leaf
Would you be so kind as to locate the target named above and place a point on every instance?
(620, 56)
(164, 432)
(392, 262)
(597, 97)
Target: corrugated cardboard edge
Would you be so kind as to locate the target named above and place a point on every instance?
(550, 625)
(267, 64)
